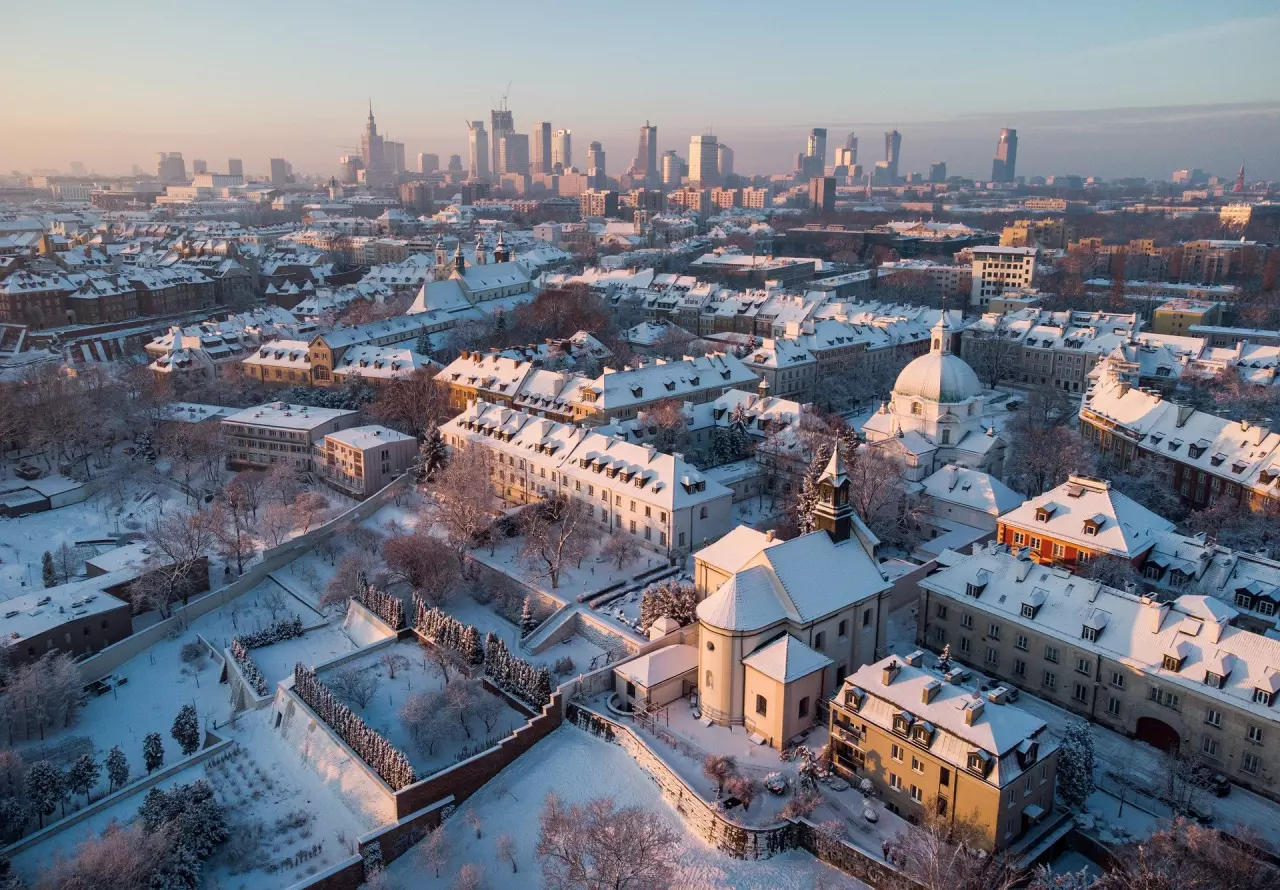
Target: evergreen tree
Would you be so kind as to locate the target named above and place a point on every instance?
(152, 752)
(423, 344)
(47, 571)
(186, 729)
(44, 788)
(432, 454)
(83, 775)
(1075, 765)
(117, 768)
(807, 501)
(527, 622)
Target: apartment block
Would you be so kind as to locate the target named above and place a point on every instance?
(278, 432)
(997, 269)
(361, 460)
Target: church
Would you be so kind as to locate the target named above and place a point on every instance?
(460, 286)
(782, 623)
(934, 417)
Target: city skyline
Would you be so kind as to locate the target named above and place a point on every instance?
(1126, 109)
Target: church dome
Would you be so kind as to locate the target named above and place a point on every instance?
(938, 377)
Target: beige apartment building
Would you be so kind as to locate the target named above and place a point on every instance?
(928, 744)
(1177, 675)
(364, 459)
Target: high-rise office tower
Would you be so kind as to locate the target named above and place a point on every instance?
(428, 163)
(704, 161)
(892, 154)
(938, 171)
(199, 165)
(279, 171)
(822, 193)
(671, 165)
(455, 163)
(1239, 186)
(595, 166)
(647, 156)
(724, 160)
(371, 147)
(393, 156)
(851, 145)
(478, 150)
(562, 149)
(817, 147)
(513, 153)
(1004, 166)
(235, 167)
(540, 148)
(501, 123)
(171, 168)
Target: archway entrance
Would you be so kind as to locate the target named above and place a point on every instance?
(1158, 734)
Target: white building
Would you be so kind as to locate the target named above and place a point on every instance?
(997, 269)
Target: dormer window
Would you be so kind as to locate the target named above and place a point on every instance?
(854, 697)
(922, 733)
(1028, 610)
(1172, 663)
(1214, 680)
(902, 722)
(1045, 512)
(1089, 633)
(979, 762)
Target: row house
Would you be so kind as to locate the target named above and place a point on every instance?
(1176, 675)
(172, 290)
(1206, 457)
(621, 394)
(662, 501)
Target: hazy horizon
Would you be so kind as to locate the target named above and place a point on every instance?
(1139, 95)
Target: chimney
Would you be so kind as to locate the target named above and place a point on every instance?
(770, 535)
(889, 672)
(973, 710)
(915, 659)
(465, 354)
(998, 696)
(1184, 413)
(930, 691)
(1153, 613)
(978, 547)
(955, 676)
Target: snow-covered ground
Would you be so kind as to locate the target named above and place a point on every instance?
(416, 673)
(578, 767)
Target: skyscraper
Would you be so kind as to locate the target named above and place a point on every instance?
(822, 194)
(818, 144)
(478, 150)
(501, 123)
(704, 161)
(371, 147)
(514, 154)
(647, 155)
(540, 148)
(1004, 167)
(595, 166)
(171, 169)
(393, 156)
(279, 171)
(562, 149)
(724, 160)
(235, 167)
(428, 163)
(455, 163)
(199, 165)
(938, 171)
(671, 165)
(892, 154)
(851, 145)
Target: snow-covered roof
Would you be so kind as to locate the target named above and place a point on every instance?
(281, 415)
(617, 390)
(659, 666)
(735, 549)
(958, 722)
(970, 488)
(382, 362)
(786, 659)
(363, 438)
(1090, 513)
(1137, 631)
(66, 602)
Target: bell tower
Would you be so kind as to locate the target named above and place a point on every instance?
(834, 511)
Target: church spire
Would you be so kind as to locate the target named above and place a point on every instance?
(940, 336)
(833, 513)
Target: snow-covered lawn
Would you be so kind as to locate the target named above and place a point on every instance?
(24, 540)
(416, 673)
(578, 767)
(277, 807)
(595, 573)
(160, 682)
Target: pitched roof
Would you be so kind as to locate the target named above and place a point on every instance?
(1120, 525)
(786, 659)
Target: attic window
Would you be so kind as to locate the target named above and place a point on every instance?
(1214, 680)
(1217, 459)
(1263, 697)
(1045, 512)
(1238, 467)
(1028, 610)
(854, 697)
(1194, 450)
(922, 733)
(979, 762)
(1175, 444)
(1089, 633)
(1172, 663)
(902, 723)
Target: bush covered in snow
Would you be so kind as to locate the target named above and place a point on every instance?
(673, 598)
(528, 682)
(448, 633)
(276, 632)
(383, 757)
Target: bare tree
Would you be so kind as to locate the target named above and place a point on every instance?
(597, 844)
(180, 544)
(425, 716)
(1187, 856)
(277, 521)
(620, 549)
(433, 853)
(719, 768)
(310, 507)
(356, 686)
(464, 499)
(943, 855)
(488, 709)
(353, 570)
(993, 354)
(667, 426)
(470, 877)
(119, 859)
(507, 850)
(280, 482)
(424, 563)
(410, 404)
(557, 533)
(232, 525)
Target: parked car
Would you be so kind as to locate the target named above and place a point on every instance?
(1211, 781)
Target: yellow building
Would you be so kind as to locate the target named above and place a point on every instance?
(780, 623)
(926, 743)
(1177, 316)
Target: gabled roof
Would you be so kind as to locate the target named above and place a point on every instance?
(1123, 527)
(975, 489)
(786, 659)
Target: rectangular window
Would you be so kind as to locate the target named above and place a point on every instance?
(1080, 693)
(842, 629)
(1050, 681)
(916, 794)
(894, 782)
(1019, 538)
(1255, 734)
(994, 631)
(944, 777)
(1051, 654)
(1209, 747)
(1020, 667)
(917, 764)
(1113, 706)
(1249, 763)
(895, 751)
(940, 634)
(1059, 551)
(1021, 642)
(942, 612)
(866, 617)
(817, 641)
(966, 620)
(1084, 666)
(993, 656)
(965, 645)
(762, 706)
(1213, 717)
(1117, 679)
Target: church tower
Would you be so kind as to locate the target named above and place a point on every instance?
(459, 262)
(834, 511)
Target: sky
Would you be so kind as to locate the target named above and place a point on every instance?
(1096, 88)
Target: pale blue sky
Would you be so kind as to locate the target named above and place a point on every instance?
(112, 83)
